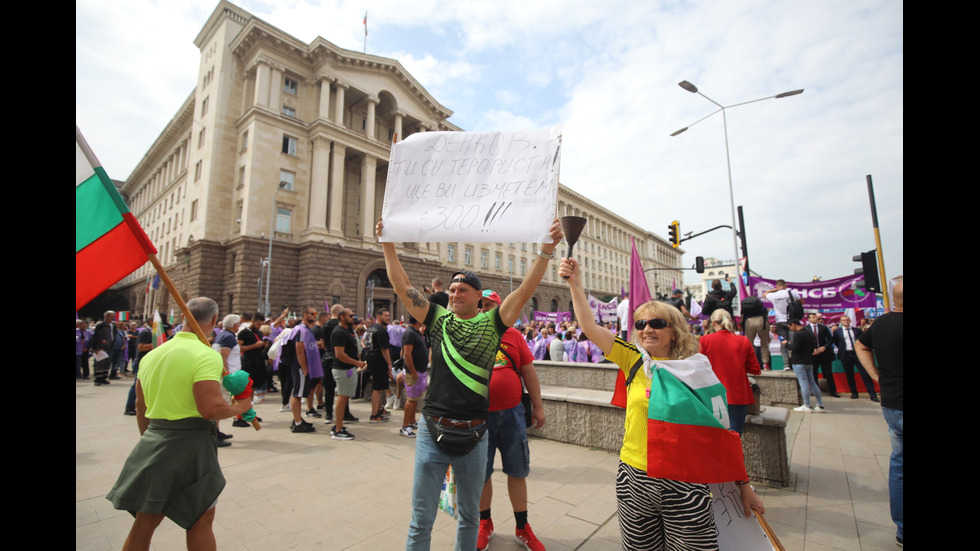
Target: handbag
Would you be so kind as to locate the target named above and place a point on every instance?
(455, 441)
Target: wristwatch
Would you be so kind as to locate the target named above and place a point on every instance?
(546, 256)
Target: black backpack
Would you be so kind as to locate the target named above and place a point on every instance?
(794, 310)
(752, 307)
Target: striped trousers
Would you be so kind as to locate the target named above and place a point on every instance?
(657, 514)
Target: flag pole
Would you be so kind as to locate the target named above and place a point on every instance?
(188, 318)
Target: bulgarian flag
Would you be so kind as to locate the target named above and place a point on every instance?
(109, 242)
(687, 428)
(159, 336)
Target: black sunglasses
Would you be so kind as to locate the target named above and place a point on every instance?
(655, 323)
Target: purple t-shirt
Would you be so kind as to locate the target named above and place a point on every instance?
(312, 351)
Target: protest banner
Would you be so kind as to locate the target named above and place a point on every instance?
(556, 317)
(604, 312)
(736, 531)
(472, 186)
(828, 293)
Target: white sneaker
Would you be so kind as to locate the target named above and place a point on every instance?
(819, 409)
(286, 407)
(803, 409)
(390, 402)
(407, 432)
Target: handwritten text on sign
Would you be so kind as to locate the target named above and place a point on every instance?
(472, 186)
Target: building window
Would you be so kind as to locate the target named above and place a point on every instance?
(468, 256)
(204, 107)
(238, 217)
(288, 111)
(484, 254)
(241, 176)
(289, 86)
(451, 253)
(287, 180)
(289, 145)
(283, 216)
(200, 138)
(244, 140)
(523, 266)
(197, 170)
(498, 261)
(510, 264)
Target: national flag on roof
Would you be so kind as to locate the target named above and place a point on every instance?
(109, 242)
(688, 438)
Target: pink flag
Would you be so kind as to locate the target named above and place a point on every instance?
(639, 290)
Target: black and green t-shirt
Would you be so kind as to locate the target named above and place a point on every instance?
(463, 353)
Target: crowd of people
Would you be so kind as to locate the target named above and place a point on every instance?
(462, 369)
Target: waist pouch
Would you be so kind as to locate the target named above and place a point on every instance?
(454, 441)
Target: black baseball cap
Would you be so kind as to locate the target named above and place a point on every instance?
(467, 277)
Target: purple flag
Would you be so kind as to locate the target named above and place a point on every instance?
(639, 290)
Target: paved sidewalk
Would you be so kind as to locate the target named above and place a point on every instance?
(308, 492)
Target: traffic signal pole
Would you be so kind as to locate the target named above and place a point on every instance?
(881, 256)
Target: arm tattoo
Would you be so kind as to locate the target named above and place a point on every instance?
(417, 299)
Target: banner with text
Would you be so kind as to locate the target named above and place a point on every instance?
(736, 530)
(829, 293)
(556, 317)
(472, 186)
(604, 312)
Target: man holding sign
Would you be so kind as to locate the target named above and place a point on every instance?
(464, 344)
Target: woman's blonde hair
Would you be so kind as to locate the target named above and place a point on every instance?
(684, 345)
(724, 319)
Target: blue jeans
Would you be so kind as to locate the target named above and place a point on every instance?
(804, 374)
(736, 417)
(430, 470)
(895, 419)
(507, 431)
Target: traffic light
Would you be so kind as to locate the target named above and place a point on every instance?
(869, 269)
(674, 234)
(699, 264)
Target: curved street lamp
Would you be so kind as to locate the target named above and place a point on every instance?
(728, 158)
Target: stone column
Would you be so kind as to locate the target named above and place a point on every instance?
(262, 83)
(369, 167)
(337, 188)
(275, 90)
(338, 102)
(324, 106)
(399, 136)
(372, 103)
(319, 175)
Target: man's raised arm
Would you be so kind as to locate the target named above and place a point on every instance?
(510, 310)
(415, 301)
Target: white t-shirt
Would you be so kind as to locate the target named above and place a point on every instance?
(780, 301)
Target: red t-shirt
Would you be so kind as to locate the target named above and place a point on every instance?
(505, 384)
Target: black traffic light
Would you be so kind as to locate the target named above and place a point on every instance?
(674, 234)
(699, 264)
(869, 269)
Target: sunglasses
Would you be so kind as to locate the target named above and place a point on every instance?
(655, 323)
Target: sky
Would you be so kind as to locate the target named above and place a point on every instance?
(605, 73)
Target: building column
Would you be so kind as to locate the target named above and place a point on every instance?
(263, 75)
(372, 103)
(324, 106)
(319, 178)
(338, 170)
(369, 166)
(275, 90)
(399, 136)
(338, 102)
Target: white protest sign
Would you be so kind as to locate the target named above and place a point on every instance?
(472, 186)
(736, 532)
(604, 311)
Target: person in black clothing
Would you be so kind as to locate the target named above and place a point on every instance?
(719, 298)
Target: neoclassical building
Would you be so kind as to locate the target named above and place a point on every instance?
(292, 139)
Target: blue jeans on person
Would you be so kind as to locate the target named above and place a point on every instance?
(804, 374)
(895, 419)
(430, 471)
(507, 431)
(736, 417)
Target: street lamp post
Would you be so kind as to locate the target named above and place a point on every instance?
(268, 260)
(728, 158)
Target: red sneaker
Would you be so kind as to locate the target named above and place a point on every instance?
(527, 538)
(486, 532)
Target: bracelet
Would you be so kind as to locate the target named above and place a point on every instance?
(743, 483)
(546, 256)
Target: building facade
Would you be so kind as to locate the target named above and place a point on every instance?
(291, 141)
